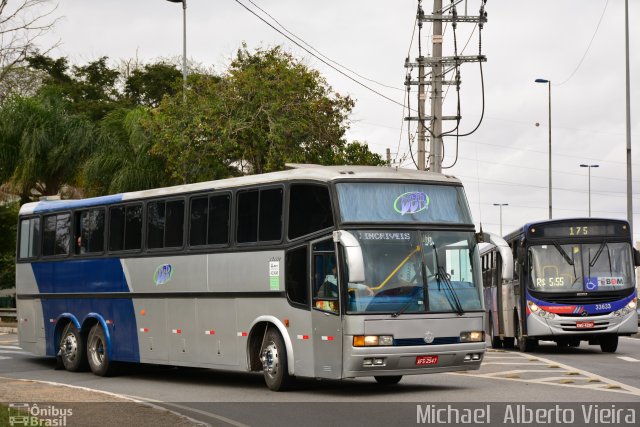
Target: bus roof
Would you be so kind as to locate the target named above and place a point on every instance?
(295, 173)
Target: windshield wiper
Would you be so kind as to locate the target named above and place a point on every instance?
(404, 306)
(442, 274)
(563, 253)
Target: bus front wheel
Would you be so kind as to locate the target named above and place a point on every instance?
(72, 350)
(609, 343)
(97, 353)
(273, 356)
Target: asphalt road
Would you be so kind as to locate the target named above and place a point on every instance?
(551, 374)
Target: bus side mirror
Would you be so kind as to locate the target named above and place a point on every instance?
(505, 253)
(353, 255)
(636, 257)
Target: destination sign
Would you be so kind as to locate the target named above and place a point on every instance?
(579, 229)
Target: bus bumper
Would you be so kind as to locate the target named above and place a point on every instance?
(567, 326)
(402, 360)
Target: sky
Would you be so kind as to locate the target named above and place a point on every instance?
(506, 159)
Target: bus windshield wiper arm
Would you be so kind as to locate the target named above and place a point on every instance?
(442, 273)
(593, 261)
(563, 253)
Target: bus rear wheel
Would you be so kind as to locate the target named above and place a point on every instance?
(388, 380)
(524, 344)
(72, 350)
(97, 352)
(609, 343)
(275, 367)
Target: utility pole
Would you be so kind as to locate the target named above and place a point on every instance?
(435, 149)
(628, 117)
(437, 62)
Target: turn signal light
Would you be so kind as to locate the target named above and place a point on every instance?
(372, 340)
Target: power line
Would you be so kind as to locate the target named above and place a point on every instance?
(320, 53)
(318, 57)
(588, 47)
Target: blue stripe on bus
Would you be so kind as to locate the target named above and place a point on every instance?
(85, 276)
(80, 275)
(420, 341)
(61, 205)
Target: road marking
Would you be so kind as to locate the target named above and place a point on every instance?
(604, 384)
(4, 357)
(628, 359)
(13, 352)
(10, 347)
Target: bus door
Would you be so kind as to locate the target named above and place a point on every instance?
(325, 310)
(499, 294)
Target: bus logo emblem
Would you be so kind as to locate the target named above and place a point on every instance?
(163, 274)
(411, 202)
(428, 337)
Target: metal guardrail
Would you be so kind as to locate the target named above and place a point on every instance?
(9, 312)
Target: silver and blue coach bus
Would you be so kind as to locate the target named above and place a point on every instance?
(573, 281)
(325, 272)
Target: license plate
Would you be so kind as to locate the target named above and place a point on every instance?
(427, 360)
(585, 325)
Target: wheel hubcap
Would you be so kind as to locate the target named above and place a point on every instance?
(269, 359)
(96, 351)
(69, 347)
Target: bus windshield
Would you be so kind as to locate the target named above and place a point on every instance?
(417, 272)
(577, 267)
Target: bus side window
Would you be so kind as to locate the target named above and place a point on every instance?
(125, 228)
(296, 274)
(309, 209)
(259, 215)
(89, 231)
(56, 234)
(29, 238)
(516, 263)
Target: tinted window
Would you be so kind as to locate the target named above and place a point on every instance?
(174, 227)
(270, 214)
(125, 228)
(89, 231)
(247, 226)
(296, 276)
(309, 210)
(57, 234)
(155, 225)
(116, 228)
(29, 237)
(198, 228)
(133, 226)
(219, 219)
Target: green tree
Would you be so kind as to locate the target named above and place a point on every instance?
(357, 153)
(122, 161)
(8, 221)
(149, 84)
(42, 146)
(266, 110)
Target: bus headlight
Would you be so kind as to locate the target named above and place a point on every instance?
(472, 336)
(533, 307)
(631, 306)
(372, 340)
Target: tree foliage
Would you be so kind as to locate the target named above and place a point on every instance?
(42, 146)
(8, 221)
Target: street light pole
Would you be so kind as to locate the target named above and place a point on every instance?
(550, 186)
(500, 205)
(589, 167)
(184, 43)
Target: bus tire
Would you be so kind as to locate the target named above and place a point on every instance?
(388, 380)
(273, 356)
(97, 352)
(496, 342)
(524, 344)
(72, 350)
(609, 343)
